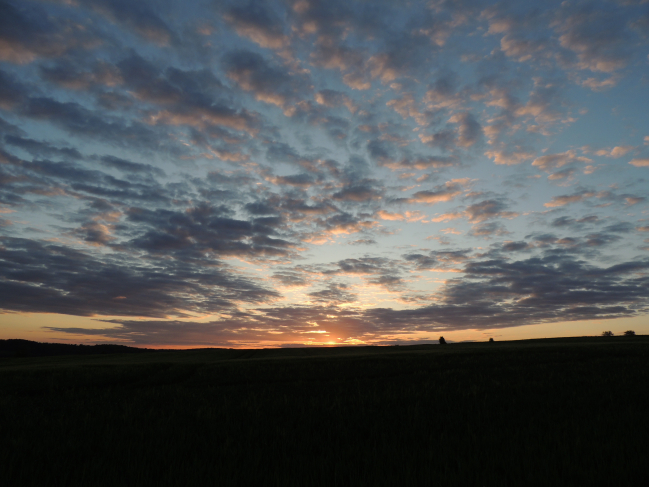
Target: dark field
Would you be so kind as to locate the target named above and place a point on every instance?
(536, 412)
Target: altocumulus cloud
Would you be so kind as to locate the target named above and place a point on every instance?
(282, 172)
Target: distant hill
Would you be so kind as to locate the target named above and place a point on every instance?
(27, 348)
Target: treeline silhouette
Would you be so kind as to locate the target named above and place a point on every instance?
(27, 348)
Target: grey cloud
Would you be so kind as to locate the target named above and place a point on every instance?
(380, 151)
(621, 227)
(171, 85)
(641, 25)
(147, 82)
(40, 277)
(363, 241)
(69, 73)
(240, 178)
(524, 37)
(422, 261)
(337, 128)
(363, 265)
(569, 198)
(560, 282)
(193, 98)
(488, 230)
(129, 166)
(401, 52)
(270, 84)
(326, 17)
(334, 293)
(585, 194)
(204, 228)
(28, 31)
(40, 148)
(443, 87)
(493, 294)
(303, 180)
(114, 100)
(515, 246)
(487, 209)
(469, 130)
(591, 35)
(268, 324)
(563, 174)
(136, 16)
(601, 239)
(343, 222)
(194, 82)
(299, 206)
(78, 120)
(554, 161)
(589, 219)
(633, 199)
(284, 153)
(361, 191)
(544, 102)
(290, 278)
(377, 270)
(444, 139)
(256, 21)
(328, 53)
(544, 239)
(441, 193)
(260, 208)
(439, 259)
(426, 162)
(597, 36)
(6, 127)
(333, 98)
(44, 176)
(389, 281)
(12, 91)
(498, 293)
(94, 233)
(565, 221)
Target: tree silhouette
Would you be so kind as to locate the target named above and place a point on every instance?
(607, 333)
(442, 341)
(491, 340)
(629, 333)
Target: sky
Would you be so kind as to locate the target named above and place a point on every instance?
(178, 174)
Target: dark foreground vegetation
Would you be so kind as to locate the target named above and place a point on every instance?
(536, 412)
(28, 348)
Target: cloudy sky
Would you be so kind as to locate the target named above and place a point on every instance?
(233, 174)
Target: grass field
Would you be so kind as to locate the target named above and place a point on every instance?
(535, 412)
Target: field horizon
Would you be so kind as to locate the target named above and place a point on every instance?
(10, 345)
(560, 411)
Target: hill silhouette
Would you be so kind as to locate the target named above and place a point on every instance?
(28, 348)
(526, 412)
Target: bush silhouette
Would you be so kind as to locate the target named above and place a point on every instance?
(442, 341)
(491, 340)
(607, 333)
(629, 333)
